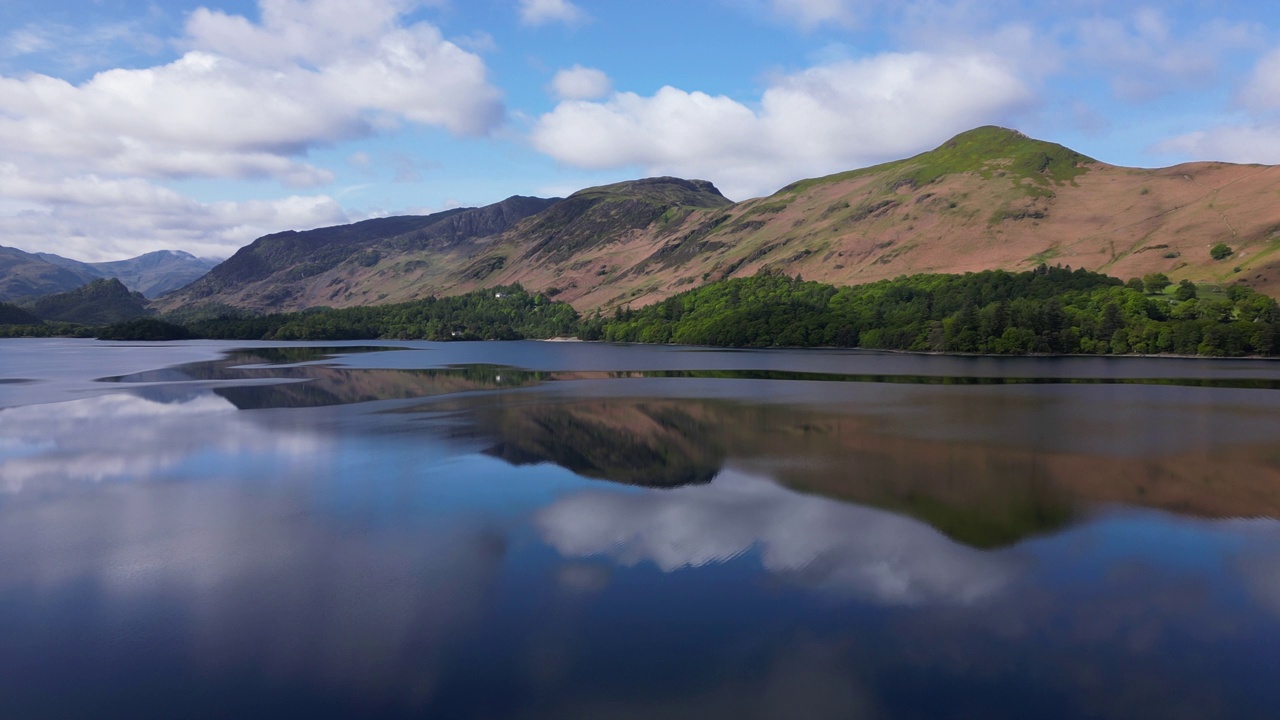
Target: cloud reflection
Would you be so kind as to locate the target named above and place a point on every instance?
(1259, 561)
(128, 436)
(849, 549)
(260, 584)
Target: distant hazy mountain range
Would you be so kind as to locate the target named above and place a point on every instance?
(27, 275)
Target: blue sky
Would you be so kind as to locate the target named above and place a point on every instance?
(127, 127)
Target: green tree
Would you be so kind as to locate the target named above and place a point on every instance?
(1186, 291)
(1156, 282)
(1221, 251)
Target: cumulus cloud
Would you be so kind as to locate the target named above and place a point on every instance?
(247, 97)
(246, 100)
(824, 119)
(847, 549)
(580, 83)
(541, 12)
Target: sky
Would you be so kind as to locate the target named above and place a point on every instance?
(128, 126)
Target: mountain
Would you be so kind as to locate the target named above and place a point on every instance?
(14, 315)
(357, 264)
(151, 274)
(24, 274)
(101, 302)
(988, 198)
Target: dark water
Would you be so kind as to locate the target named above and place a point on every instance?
(544, 530)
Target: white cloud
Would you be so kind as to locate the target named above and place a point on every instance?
(846, 549)
(245, 100)
(1247, 143)
(580, 83)
(825, 119)
(541, 12)
(92, 218)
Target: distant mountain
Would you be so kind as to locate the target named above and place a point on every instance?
(101, 302)
(988, 198)
(152, 274)
(24, 274)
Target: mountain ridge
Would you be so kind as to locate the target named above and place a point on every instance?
(296, 269)
(25, 275)
(987, 198)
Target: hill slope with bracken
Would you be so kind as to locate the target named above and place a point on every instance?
(988, 198)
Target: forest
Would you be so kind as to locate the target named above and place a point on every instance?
(1048, 310)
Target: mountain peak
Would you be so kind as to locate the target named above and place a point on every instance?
(992, 142)
(667, 189)
(987, 150)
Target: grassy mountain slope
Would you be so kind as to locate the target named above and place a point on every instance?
(989, 198)
(101, 302)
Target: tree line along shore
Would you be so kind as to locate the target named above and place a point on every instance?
(1048, 310)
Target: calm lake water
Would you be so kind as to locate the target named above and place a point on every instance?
(569, 530)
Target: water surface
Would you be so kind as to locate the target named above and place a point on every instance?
(529, 530)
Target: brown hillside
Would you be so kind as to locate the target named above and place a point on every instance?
(988, 198)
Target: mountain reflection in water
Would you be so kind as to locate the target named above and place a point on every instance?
(281, 533)
(987, 467)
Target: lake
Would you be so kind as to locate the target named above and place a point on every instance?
(581, 530)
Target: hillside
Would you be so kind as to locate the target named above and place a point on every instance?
(988, 198)
(101, 302)
(14, 315)
(24, 275)
(357, 264)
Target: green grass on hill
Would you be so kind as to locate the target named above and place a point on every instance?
(986, 150)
